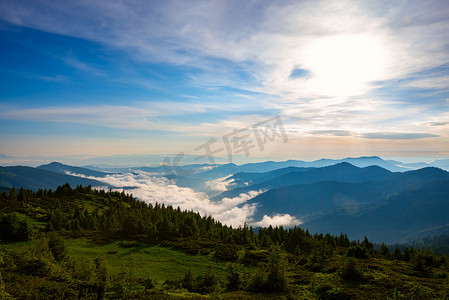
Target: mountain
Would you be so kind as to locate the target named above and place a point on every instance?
(243, 179)
(361, 162)
(35, 178)
(210, 172)
(324, 196)
(410, 166)
(335, 206)
(394, 219)
(64, 169)
(342, 172)
(307, 201)
(441, 163)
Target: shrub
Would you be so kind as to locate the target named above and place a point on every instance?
(58, 247)
(351, 270)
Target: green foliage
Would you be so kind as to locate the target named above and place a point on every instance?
(385, 251)
(397, 254)
(13, 229)
(127, 244)
(327, 286)
(188, 281)
(351, 270)
(271, 277)
(233, 276)
(3, 294)
(418, 261)
(257, 280)
(357, 251)
(204, 283)
(277, 277)
(149, 283)
(397, 295)
(58, 247)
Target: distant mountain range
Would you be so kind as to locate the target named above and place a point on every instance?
(342, 172)
(261, 167)
(397, 218)
(385, 200)
(37, 178)
(66, 169)
(357, 208)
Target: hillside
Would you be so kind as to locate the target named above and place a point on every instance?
(90, 244)
(394, 219)
(38, 178)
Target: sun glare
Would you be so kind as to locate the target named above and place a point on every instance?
(343, 65)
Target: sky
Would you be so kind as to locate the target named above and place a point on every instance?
(127, 82)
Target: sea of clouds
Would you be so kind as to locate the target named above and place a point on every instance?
(230, 211)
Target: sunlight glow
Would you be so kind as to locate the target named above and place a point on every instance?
(343, 65)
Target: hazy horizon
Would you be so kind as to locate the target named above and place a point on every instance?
(142, 160)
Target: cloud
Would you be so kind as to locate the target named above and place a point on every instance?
(278, 220)
(231, 211)
(359, 41)
(437, 123)
(398, 135)
(379, 135)
(220, 184)
(332, 132)
(152, 116)
(434, 82)
(140, 116)
(322, 65)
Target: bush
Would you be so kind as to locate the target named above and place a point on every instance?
(149, 283)
(35, 267)
(233, 276)
(206, 283)
(351, 270)
(203, 284)
(58, 247)
(257, 280)
(13, 229)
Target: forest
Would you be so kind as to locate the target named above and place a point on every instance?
(85, 243)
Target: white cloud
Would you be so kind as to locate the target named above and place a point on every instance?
(348, 41)
(278, 220)
(220, 184)
(434, 82)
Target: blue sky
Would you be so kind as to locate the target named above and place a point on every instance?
(122, 79)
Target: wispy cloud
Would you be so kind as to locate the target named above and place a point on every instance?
(332, 132)
(378, 135)
(398, 135)
(74, 62)
(139, 116)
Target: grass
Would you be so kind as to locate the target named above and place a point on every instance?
(146, 260)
